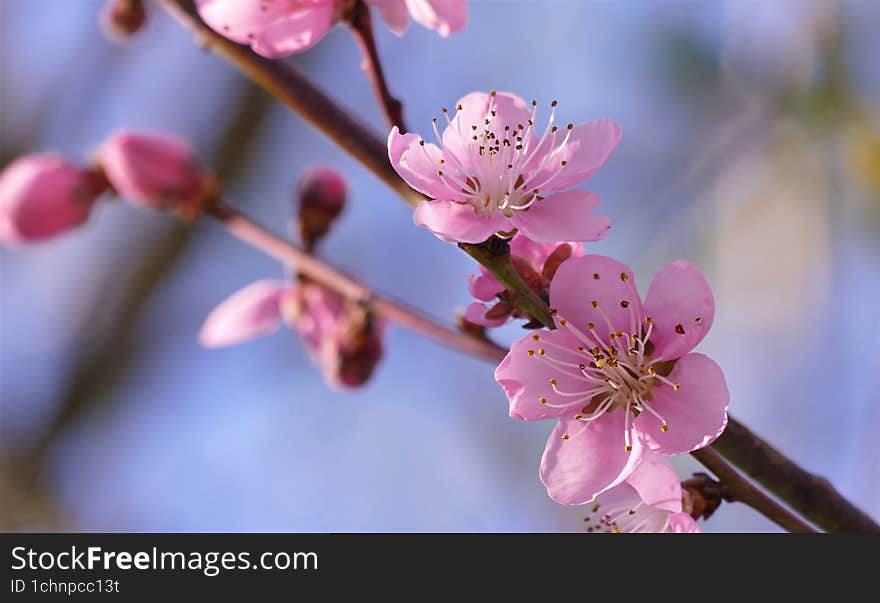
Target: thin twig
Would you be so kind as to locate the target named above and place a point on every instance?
(362, 28)
(293, 90)
(250, 232)
(735, 488)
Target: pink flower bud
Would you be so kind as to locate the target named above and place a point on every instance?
(157, 171)
(322, 193)
(121, 19)
(43, 195)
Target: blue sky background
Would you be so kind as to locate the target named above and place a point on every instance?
(725, 161)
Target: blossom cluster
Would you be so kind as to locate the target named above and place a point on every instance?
(617, 372)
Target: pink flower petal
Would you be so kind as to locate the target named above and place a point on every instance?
(457, 222)
(418, 164)
(563, 217)
(597, 278)
(682, 523)
(484, 286)
(273, 29)
(510, 111)
(696, 413)
(526, 377)
(592, 460)
(394, 13)
(656, 482)
(588, 148)
(537, 253)
(443, 16)
(248, 313)
(476, 314)
(616, 503)
(680, 303)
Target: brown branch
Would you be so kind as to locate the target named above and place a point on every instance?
(250, 232)
(362, 28)
(812, 496)
(735, 488)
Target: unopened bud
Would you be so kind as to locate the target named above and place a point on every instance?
(121, 19)
(43, 195)
(157, 171)
(321, 193)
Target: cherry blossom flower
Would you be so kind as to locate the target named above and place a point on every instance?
(443, 16)
(491, 171)
(649, 500)
(43, 195)
(341, 337)
(279, 28)
(155, 170)
(617, 373)
(536, 263)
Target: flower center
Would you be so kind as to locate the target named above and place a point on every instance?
(614, 372)
(629, 516)
(501, 166)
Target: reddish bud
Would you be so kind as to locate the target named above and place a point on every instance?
(321, 193)
(157, 171)
(121, 19)
(43, 195)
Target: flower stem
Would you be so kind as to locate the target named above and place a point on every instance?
(738, 444)
(361, 23)
(248, 231)
(735, 488)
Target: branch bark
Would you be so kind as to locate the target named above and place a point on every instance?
(735, 488)
(810, 495)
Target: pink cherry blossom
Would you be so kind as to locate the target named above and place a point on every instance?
(650, 500)
(42, 195)
(156, 170)
(279, 28)
(492, 172)
(537, 264)
(443, 16)
(273, 28)
(617, 373)
(341, 337)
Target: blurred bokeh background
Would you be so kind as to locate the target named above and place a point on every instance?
(751, 147)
